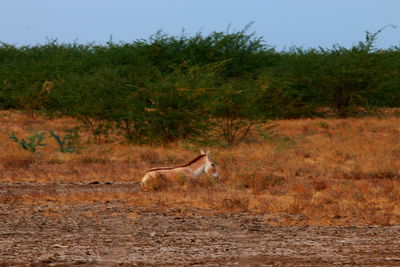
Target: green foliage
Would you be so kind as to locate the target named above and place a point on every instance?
(289, 87)
(348, 78)
(33, 142)
(67, 143)
(236, 107)
(170, 88)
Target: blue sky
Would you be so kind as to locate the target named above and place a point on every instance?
(282, 23)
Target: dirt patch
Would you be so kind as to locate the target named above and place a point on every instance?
(109, 233)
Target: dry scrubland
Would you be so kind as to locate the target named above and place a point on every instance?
(308, 171)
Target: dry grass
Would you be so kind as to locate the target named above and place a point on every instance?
(318, 171)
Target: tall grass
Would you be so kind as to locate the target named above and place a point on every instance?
(336, 171)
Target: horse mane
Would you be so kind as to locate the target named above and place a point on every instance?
(170, 168)
(192, 161)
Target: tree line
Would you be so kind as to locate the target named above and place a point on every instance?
(168, 88)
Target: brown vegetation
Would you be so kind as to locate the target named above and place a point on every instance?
(318, 171)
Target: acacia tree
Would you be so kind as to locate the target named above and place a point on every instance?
(348, 76)
(236, 109)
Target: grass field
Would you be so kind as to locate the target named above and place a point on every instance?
(306, 171)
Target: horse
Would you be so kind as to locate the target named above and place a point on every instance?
(196, 167)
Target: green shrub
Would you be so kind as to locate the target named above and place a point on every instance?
(31, 144)
(67, 143)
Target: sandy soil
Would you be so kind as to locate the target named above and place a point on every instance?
(121, 234)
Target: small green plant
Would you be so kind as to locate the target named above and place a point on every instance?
(33, 142)
(267, 133)
(67, 142)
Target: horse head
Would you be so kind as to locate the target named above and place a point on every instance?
(209, 167)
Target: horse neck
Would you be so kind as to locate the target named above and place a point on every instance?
(198, 167)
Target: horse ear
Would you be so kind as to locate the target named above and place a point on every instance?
(208, 153)
(202, 152)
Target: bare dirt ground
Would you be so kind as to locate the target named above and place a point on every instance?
(114, 233)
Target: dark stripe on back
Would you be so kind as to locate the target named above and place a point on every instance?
(170, 168)
(161, 168)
